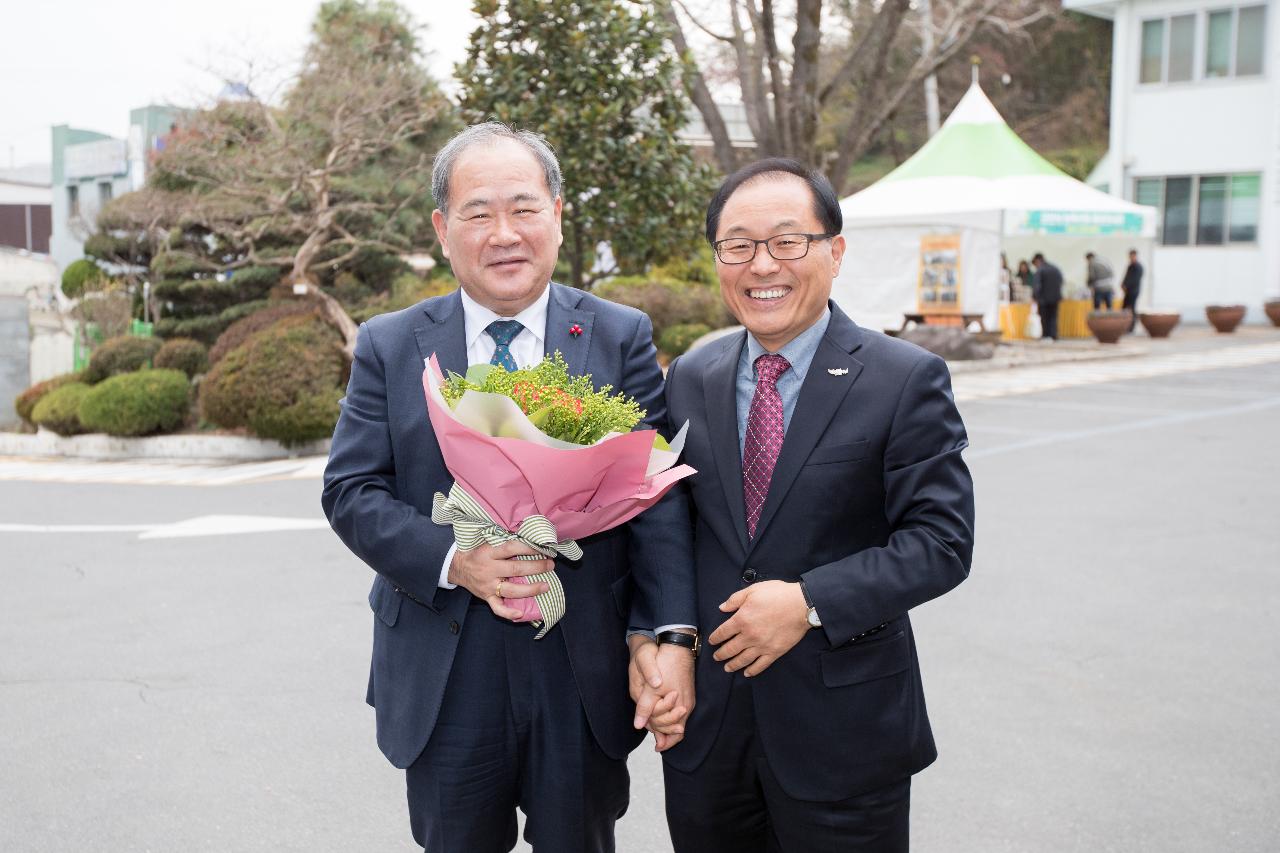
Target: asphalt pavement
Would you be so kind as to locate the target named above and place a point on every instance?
(174, 679)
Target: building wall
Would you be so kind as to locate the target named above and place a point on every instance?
(1200, 127)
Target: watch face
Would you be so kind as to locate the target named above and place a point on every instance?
(813, 618)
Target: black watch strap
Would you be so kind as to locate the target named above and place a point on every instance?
(679, 638)
(804, 590)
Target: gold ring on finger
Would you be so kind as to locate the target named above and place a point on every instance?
(500, 595)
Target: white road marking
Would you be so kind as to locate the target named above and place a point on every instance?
(205, 525)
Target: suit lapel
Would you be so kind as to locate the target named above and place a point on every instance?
(719, 395)
(832, 373)
(563, 315)
(444, 333)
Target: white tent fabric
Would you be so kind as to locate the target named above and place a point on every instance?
(977, 181)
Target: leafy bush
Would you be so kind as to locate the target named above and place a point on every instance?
(667, 302)
(185, 354)
(677, 339)
(25, 402)
(284, 382)
(206, 328)
(59, 409)
(406, 290)
(246, 327)
(124, 354)
(78, 276)
(140, 403)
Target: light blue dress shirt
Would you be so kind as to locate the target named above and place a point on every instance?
(798, 352)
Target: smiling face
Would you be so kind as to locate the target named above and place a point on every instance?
(776, 300)
(502, 232)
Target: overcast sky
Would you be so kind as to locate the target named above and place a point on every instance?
(88, 63)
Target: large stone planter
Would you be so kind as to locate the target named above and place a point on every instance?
(1108, 326)
(1159, 323)
(1225, 318)
(1272, 307)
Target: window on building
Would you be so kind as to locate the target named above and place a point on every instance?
(1224, 208)
(1182, 48)
(1177, 212)
(73, 201)
(1211, 211)
(1217, 55)
(104, 192)
(1152, 70)
(1250, 31)
(1242, 215)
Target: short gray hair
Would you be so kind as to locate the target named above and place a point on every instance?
(488, 133)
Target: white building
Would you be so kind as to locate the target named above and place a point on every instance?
(1195, 132)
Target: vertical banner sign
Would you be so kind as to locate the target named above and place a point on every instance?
(938, 291)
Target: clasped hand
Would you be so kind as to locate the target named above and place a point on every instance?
(661, 681)
(482, 569)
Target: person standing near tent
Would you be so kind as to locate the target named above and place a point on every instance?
(1025, 277)
(1102, 281)
(1132, 286)
(1046, 288)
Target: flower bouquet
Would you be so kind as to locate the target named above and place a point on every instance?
(541, 456)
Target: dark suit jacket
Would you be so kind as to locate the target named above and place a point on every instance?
(385, 466)
(872, 505)
(1047, 284)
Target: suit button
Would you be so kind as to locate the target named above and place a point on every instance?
(453, 626)
(749, 576)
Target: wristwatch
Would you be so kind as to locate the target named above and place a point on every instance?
(692, 642)
(812, 615)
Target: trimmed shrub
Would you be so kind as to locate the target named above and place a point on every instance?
(677, 339)
(406, 290)
(667, 302)
(77, 277)
(124, 354)
(59, 410)
(205, 329)
(140, 403)
(282, 383)
(246, 327)
(25, 402)
(183, 354)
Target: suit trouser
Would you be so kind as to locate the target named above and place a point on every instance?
(1102, 296)
(512, 733)
(1131, 303)
(733, 803)
(1049, 320)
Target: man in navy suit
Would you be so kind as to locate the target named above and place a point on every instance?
(830, 499)
(483, 717)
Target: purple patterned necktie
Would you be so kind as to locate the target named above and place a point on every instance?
(764, 436)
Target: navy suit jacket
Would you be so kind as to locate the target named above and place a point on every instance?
(872, 505)
(385, 466)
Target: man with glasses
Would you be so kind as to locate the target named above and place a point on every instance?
(830, 499)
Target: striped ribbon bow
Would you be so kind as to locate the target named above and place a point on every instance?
(472, 526)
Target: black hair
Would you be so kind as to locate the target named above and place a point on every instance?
(825, 204)
(1037, 257)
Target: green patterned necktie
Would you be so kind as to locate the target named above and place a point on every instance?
(503, 333)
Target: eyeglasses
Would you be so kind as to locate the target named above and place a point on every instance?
(781, 247)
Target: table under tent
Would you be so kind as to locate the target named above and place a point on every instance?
(926, 239)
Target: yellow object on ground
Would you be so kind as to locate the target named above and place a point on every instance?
(1013, 320)
(1071, 318)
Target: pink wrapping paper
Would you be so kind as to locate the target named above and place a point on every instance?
(581, 490)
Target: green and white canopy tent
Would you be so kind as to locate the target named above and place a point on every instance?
(975, 181)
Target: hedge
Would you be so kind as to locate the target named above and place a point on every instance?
(78, 276)
(246, 327)
(140, 403)
(25, 402)
(282, 383)
(205, 329)
(185, 354)
(120, 355)
(677, 339)
(667, 302)
(59, 410)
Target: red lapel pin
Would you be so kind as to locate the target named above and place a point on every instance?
(575, 330)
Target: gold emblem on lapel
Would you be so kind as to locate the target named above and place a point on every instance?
(837, 371)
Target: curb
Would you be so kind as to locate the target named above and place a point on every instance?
(170, 448)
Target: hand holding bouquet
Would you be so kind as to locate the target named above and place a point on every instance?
(541, 456)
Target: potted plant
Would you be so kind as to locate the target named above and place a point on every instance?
(1272, 307)
(1108, 326)
(1225, 318)
(1159, 323)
